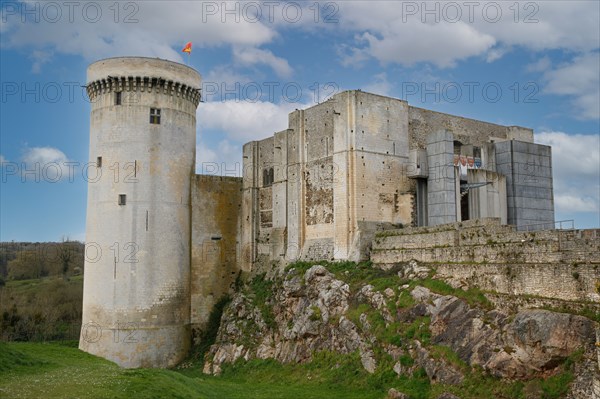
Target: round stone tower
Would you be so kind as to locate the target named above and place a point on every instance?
(136, 306)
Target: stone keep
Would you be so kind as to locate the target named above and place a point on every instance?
(136, 305)
(164, 245)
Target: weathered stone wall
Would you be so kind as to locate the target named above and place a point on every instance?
(370, 185)
(249, 228)
(563, 264)
(379, 152)
(467, 131)
(341, 174)
(510, 303)
(216, 250)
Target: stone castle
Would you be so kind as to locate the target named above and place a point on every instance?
(170, 242)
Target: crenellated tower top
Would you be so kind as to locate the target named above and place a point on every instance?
(133, 74)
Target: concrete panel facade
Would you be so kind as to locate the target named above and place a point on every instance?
(487, 201)
(441, 183)
(529, 188)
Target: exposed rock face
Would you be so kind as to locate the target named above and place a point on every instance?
(438, 370)
(536, 340)
(394, 394)
(310, 313)
(447, 395)
(412, 270)
(305, 311)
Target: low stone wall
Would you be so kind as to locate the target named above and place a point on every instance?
(562, 264)
(551, 280)
(516, 303)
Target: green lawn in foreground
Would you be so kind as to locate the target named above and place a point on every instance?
(52, 370)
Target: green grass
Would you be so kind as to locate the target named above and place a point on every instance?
(355, 274)
(586, 311)
(209, 335)
(60, 370)
(472, 296)
(51, 370)
(261, 290)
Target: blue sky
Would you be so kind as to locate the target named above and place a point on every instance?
(534, 64)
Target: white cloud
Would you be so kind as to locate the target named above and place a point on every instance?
(442, 44)
(243, 121)
(576, 170)
(352, 56)
(581, 80)
(396, 34)
(382, 29)
(46, 164)
(224, 160)
(569, 25)
(44, 155)
(249, 56)
(541, 65)
(239, 122)
(496, 53)
(570, 203)
(225, 74)
(39, 58)
(379, 85)
(152, 28)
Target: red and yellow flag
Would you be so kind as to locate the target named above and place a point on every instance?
(187, 48)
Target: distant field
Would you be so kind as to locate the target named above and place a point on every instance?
(44, 309)
(38, 370)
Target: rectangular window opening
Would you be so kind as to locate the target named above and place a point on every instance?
(122, 199)
(155, 116)
(118, 98)
(99, 162)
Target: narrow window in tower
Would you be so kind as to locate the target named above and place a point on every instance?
(122, 199)
(118, 98)
(268, 177)
(155, 116)
(99, 162)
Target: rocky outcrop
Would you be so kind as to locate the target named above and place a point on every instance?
(534, 341)
(395, 394)
(316, 311)
(309, 313)
(447, 395)
(438, 370)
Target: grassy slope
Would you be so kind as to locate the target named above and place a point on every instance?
(36, 370)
